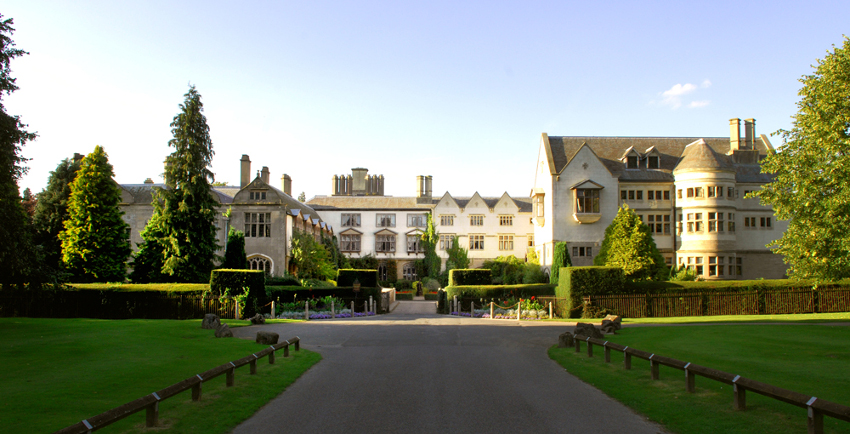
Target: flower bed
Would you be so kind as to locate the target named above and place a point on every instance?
(505, 314)
(325, 314)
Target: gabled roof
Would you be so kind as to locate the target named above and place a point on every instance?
(587, 184)
(143, 193)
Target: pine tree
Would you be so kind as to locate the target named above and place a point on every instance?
(95, 242)
(628, 244)
(17, 255)
(182, 227)
(234, 255)
(811, 170)
(51, 211)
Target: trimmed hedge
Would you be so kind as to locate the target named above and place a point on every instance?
(248, 287)
(725, 286)
(367, 278)
(500, 291)
(285, 280)
(183, 288)
(577, 282)
(476, 276)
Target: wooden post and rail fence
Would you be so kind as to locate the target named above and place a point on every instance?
(817, 408)
(150, 403)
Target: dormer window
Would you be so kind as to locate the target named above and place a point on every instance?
(631, 162)
(257, 195)
(653, 162)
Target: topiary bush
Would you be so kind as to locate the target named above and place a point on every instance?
(476, 276)
(578, 282)
(367, 278)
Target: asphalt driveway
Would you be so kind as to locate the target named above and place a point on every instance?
(413, 371)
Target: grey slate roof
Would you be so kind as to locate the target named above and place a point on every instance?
(699, 156)
(143, 193)
(368, 202)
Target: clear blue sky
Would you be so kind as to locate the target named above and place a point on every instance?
(457, 90)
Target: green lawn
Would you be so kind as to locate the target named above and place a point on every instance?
(60, 371)
(806, 358)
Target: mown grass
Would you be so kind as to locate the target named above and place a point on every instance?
(60, 371)
(787, 318)
(806, 358)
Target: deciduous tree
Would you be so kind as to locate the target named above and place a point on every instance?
(95, 242)
(628, 244)
(810, 187)
(17, 255)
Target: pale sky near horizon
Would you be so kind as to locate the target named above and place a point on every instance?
(457, 90)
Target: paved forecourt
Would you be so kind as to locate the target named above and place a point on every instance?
(418, 372)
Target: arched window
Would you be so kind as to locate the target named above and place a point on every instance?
(260, 263)
(409, 271)
(382, 271)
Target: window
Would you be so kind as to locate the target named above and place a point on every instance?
(698, 221)
(408, 271)
(629, 194)
(257, 195)
(476, 242)
(667, 194)
(749, 222)
(698, 192)
(382, 271)
(587, 201)
(715, 266)
(690, 192)
(652, 162)
(656, 194)
(632, 162)
(739, 266)
(679, 193)
(506, 242)
(730, 192)
(720, 222)
(385, 220)
(351, 220)
(417, 220)
(530, 238)
(765, 222)
(414, 244)
(731, 222)
(447, 220)
(695, 222)
(476, 220)
(712, 222)
(538, 205)
(258, 224)
(711, 191)
(349, 243)
(582, 251)
(679, 227)
(446, 241)
(506, 220)
(385, 243)
(654, 223)
(260, 263)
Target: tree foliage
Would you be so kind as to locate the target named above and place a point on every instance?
(310, 257)
(51, 211)
(302, 197)
(810, 186)
(95, 242)
(182, 229)
(235, 257)
(17, 255)
(629, 245)
(560, 258)
(458, 256)
(432, 261)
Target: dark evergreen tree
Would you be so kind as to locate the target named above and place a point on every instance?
(430, 238)
(235, 257)
(51, 211)
(628, 244)
(95, 242)
(182, 227)
(560, 258)
(18, 259)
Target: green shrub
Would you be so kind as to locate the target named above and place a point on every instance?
(408, 296)
(475, 276)
(560, 258)
(578, 282)
(367, 278)
(246, 286)
(185, 288)
(500, 292)
(285, 280)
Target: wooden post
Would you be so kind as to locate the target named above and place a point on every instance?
(491, 310)
(286, 349)
(607, 350)
(653, 368)
(271, 357)
(815, 418)
(352, 310)
(519, 310)
(550, 310)
(472, 309)
(196, 390)
(578, 345)
(690, 379)
(306, 310)
(589, 348)
(238, 314)
(229, 376)
(152, 413)
(333, 313)
(298, 345)
(627, 359)
(253, 364)
(740, 395)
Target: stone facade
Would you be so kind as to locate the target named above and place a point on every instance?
(689, 190)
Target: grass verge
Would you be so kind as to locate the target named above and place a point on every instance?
(60, 371)
(810, 359)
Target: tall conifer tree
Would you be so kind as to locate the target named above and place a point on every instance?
(182, 228)
(51, 211)
(95, 242)
(17, 256)
(628, 244)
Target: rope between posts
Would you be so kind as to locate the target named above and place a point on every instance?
(505, 307)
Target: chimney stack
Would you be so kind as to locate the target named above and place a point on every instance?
(750, 133)
(149, 181)
(420, 185)
(245, 175)
(286, 182)
(428, 180)
(735, 134)
(78, 157)
(264, 174)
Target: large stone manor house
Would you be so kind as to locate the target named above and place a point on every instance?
(267, 215)
(690, 191)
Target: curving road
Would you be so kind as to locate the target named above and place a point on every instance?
(413, 371)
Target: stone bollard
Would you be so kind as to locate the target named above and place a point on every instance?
(352, 309)
(306, 310)
(333, 314)
(519, 310)
(550, 310)
(491, 310)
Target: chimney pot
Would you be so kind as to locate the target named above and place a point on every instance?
(245, 171)
(735, 134)
(286, 182)
(264, 174)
